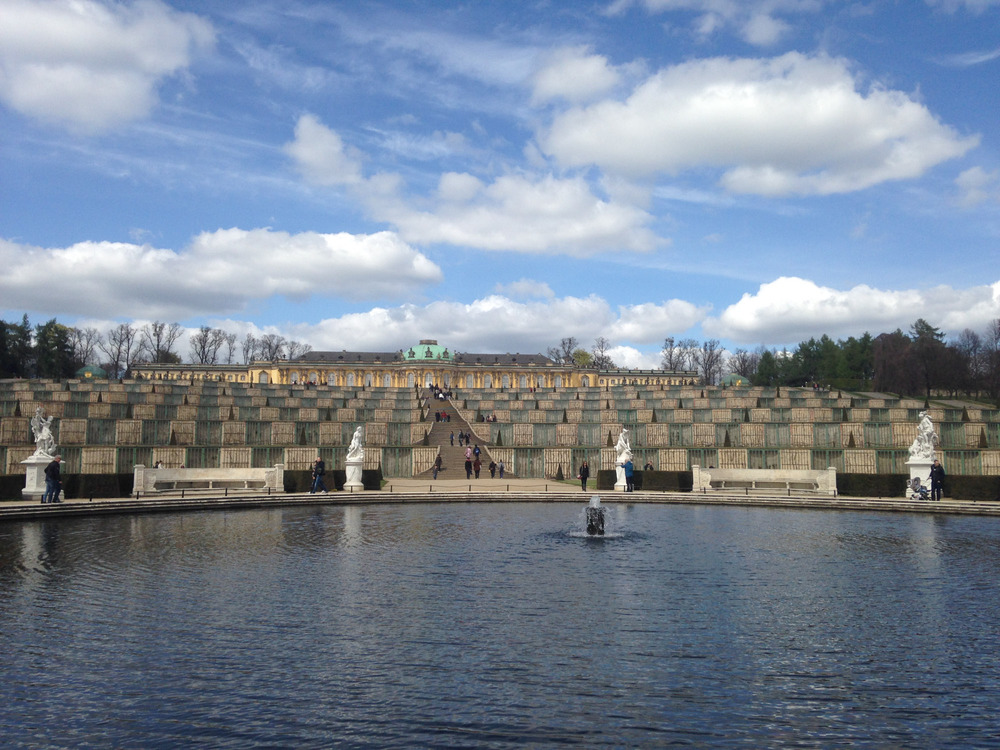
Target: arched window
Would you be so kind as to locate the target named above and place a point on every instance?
(387, 381)
(331, 379)
(410, 380)
(350, 380)
(558, 381)
(469, 382)
(294, 378)
(263, 378)
(505, 381)
(523, 381)
(488, 381)
(368, 380)
(585, 381)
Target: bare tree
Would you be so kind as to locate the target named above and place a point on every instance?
(564, 352)
(251, 348)
(118, 346)
(230, 347)
(205, 345)
(709, 360)
(272, 346)
(601, 361)
(671, 355)
(85, 342)
(156, 342)
(744, 363)
(296, 349)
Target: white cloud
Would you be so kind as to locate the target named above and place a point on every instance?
(525, 289)
(219, 272)
(90, 65)
(319, 154)
(978, 186)
(574, 74)
(790, 309)
(648, 323)
(788, 125)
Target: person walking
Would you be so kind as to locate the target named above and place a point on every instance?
(437, 465)
(53, 482)
(319, 469)
(500, 468)
(476, 466)
(476, 451)
(937, 480)
(468, 468)
(493, 469)
(584, 475)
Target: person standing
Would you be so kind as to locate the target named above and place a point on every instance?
(451, 437)
(476, 451)
(319, 469)
(584, 475)
(937, 480)
(629, 475)
(493, 469)
(500, 468)
(53, 482)
(437, 465)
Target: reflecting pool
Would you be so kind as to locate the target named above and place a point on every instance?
(501, 625)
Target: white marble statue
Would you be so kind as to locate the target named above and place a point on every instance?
(45, 443)
(623, 448)
(356, 451)
(923, 444)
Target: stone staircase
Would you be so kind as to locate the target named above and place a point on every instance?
(453, 456)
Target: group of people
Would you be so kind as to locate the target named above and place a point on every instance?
(442, 416)
(464, 438)
(474, 466)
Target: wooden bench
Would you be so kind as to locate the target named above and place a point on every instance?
(823, 481)
(156, 480)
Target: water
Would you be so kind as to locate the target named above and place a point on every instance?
(500, 625)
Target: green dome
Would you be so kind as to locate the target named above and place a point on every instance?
(90, 372)
(425, 350)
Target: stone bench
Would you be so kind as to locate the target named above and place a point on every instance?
(823, 481)
(154, 480)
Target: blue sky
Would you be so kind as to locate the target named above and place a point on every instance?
(499, 176)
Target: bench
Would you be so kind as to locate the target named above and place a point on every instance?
(156, 480)
(823, 481)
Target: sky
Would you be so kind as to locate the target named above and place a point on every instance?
(502, 175)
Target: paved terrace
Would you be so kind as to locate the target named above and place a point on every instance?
(483, 490)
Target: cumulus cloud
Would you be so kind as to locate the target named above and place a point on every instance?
(788, 125)
(512, 325)
(525, 289)
(791, 309)
(977, 186)
(91, 65)
(218, 273)
(573, 74)
(517, 212)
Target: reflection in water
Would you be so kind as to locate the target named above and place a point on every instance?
(501, 625)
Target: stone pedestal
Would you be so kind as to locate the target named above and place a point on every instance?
(34, 476)
(921, 469)
(620, 483)
(354, 483)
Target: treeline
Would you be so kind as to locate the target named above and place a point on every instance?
(53, 350)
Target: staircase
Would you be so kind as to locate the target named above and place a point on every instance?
(453, 456)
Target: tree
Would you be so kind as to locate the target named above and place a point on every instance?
(230, 347)
(767, 370)
(678, 356)
(251, 348)
(205, 345)
(119, 347)
(564, 352)
(296, 349)
(709, 360)
(601, 359)
(893, 364)
(272, 346)
(54, 351)
(85, 341)
(928, 353)
(19, 349)
(156, 342)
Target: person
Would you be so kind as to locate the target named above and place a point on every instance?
(437, 465)
(468, 453)
(584, 475)
(476, 466)
(476, 451)
(319, 469)
(629, 475)
(53, 482)
(648, 466)
(451, 437)
(937, 480)
(468, 468)
(500, 468)
(493, 469)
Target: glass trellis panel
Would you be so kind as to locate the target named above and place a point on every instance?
(732, 430)
(307, 433)
(627, 416)
(166, 411)
(878, 434)
(529, 463)
(397, 462)
(822, 459)
(258, 433)
(101, 431)
(763, 459)
(398, 433)
(265, 458)
(202, 458)
(544, 434)
(208, 433)
(155, 432)
(963, 462)
(128, 458)
(777, 435)
(706, 458)
(952, 434)
(826, 435)
(506, 432)
(590, 434)
(681, 435)
(891, 462)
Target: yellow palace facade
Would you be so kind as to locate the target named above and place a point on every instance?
(425, 364)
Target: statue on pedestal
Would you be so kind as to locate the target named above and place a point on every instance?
(355, 461)
(41, 426)
(923, 444)
(623, 449)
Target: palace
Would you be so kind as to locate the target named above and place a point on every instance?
(426, 364)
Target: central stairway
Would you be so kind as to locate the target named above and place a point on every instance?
(453, 456)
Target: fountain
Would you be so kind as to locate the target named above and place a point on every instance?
(595, 517)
